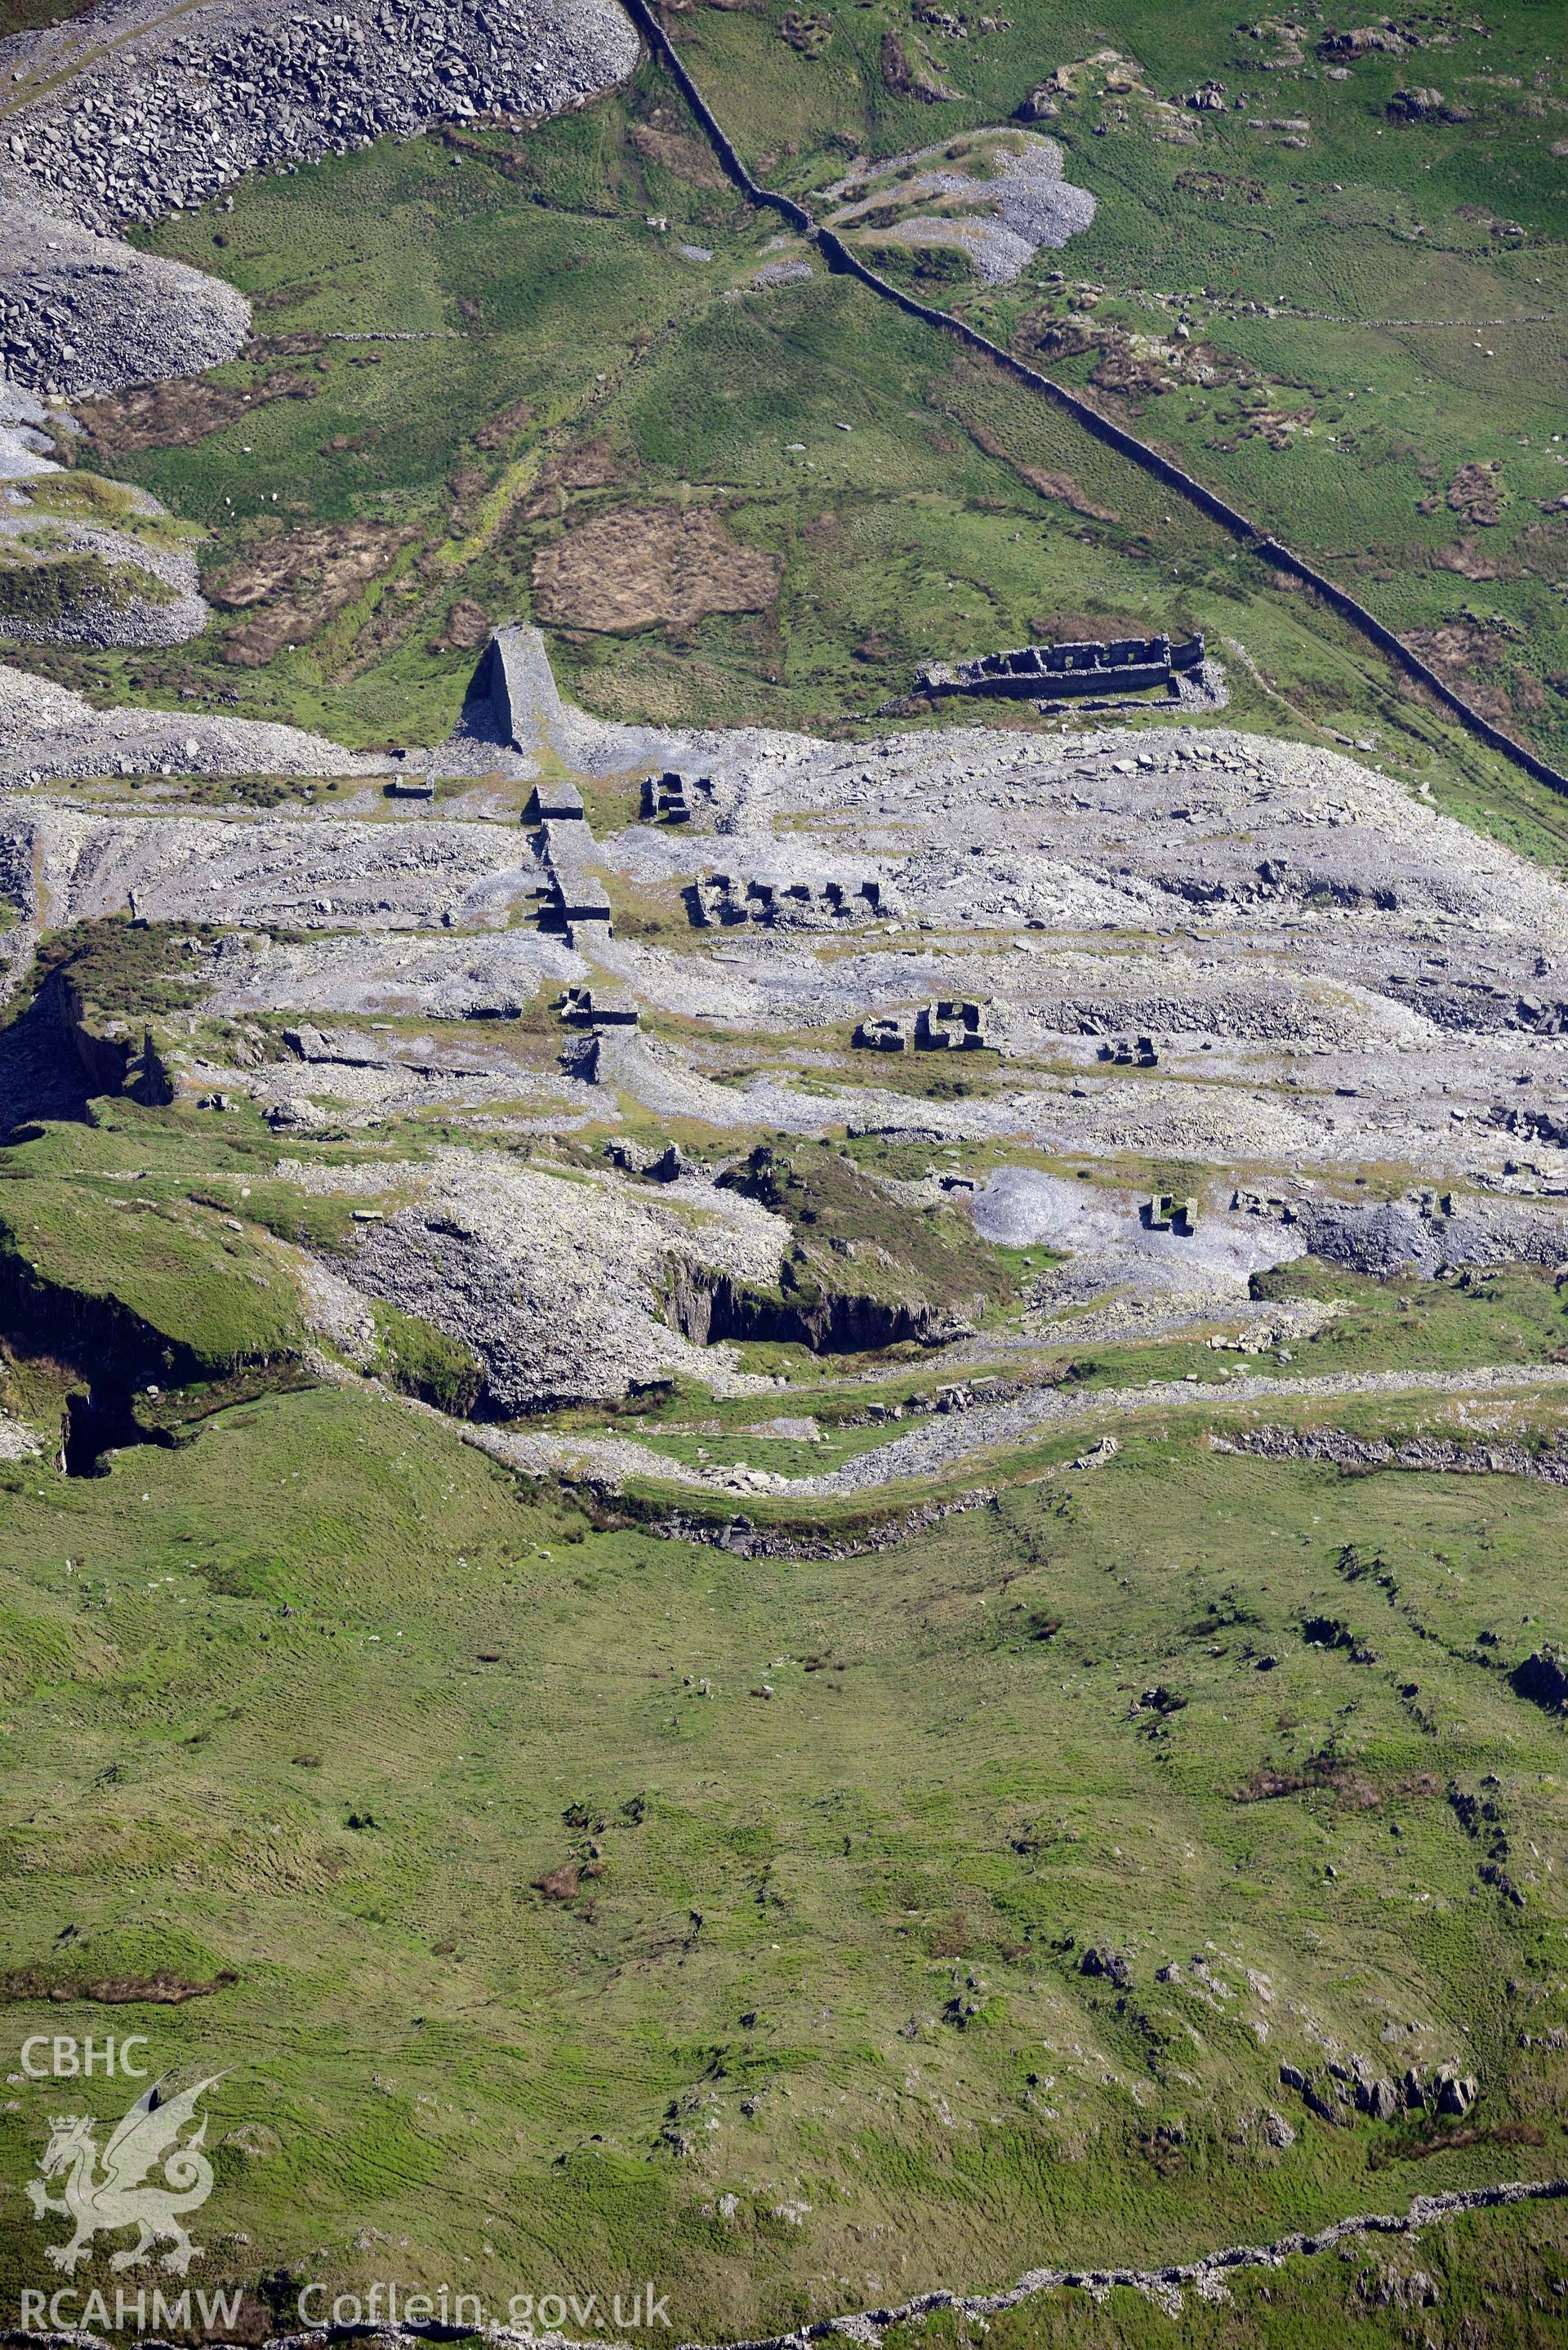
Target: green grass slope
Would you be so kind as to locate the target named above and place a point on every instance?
(1374, 304)
(581, 366)
(551, 1927)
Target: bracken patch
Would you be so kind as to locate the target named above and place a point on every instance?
(119, 1991)
(678, 152)
(302, 580)
(641, 566)
(1476, 492)
(173, 415)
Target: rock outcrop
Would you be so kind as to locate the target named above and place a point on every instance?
(557, 1282)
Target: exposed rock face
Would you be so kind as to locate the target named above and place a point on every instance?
(1424, 105)
(118, 1056)
(26, 448)
(710, 1310)
(557, 1282)
(1338, 2090)
(82, 313)
(1544, 1678)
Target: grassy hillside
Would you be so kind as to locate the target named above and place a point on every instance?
(374, 507)
(550, 1928)
(1372, 364)
(564, 1905)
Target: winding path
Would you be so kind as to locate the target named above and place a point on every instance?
(843, 259)
(936, 1444)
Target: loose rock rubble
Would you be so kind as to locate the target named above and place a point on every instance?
(82, 313)
(47, 731)
(1001, 213)
(26, 447)
(130, 113)
(938, 1446)
(554, 1281)
(1319, 975)
(1307, 939)
(1445, 1456)
(129, 592)
(18, 1442)
(148, 112)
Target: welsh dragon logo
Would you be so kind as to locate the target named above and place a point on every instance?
(123, 2195)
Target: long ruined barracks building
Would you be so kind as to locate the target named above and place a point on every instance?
(1125, 665)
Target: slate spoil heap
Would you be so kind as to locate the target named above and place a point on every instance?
(224, 92)
(169, 118)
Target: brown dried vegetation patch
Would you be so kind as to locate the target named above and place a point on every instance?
(1348, 1782)
(1465, 560)
(1476, 492)
(505, 427)
(680, 151)
(641, 566)
(1066, 491)
(117, 1991)
(908, 78)
(173, 415)
(1059, 487)
(1275, 426)
(1457, 651)
(467, 628)
(1081, 627)
(591, 465)
(301, 579)
(596, 464)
